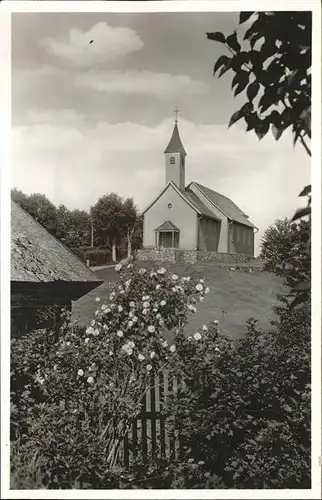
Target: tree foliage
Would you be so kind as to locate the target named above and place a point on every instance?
(114, 219)
(284, 246)
(271, 64)
(270, 59)
(73, 227)
(39, 207)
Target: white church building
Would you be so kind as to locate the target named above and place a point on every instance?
(194, 220)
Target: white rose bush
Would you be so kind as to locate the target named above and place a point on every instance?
(90, 383)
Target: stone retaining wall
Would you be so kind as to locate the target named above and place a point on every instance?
(153, 254)
(190, 256)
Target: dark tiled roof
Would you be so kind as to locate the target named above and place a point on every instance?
(226, 205)
(202, 209)
(37, 256)
(167, 226)
(175, 145)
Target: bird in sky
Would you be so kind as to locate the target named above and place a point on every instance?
(91, 41)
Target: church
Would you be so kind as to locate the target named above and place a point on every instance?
(193, 218)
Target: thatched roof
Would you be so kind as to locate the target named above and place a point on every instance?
(38, 257)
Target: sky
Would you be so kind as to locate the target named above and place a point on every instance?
(94, 118)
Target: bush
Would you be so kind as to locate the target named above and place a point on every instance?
(245, 410)
(99, 374)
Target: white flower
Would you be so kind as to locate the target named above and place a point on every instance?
(175, 277)
(103, 307)
(151, 329)
(90, 330)
(172, 348)
(142, 270)
(111, 353)
(127, 283)
(119, 333)
(216, 322)
(205, 328)
(197, 336)
(130, 324)
(93, 322)
(217, 349)
(161, 321)
(189, 338)
(146, 304)
(141, 357)
(158, 287)
(80, 373)
(207, 289)
(134, 319)
(201, 280)
(165, 343)
(192, 308)
(201, 299)
(145, 311)
(129, 266)
(96, 313)
(199, 287)
(158, 316)
(118, 267)
(131, 314)
(120, 308)
(161, 270)
(152, 274)
(145, 297)
(68, 343)
(149, 367)
(90, 380)
(96, 332)
(105, 328)
(152, 354)
(131, 344)
(163, 302)
(87, 340)
(97, 299)
(55, 367)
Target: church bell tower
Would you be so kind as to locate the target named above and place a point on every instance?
(175, 156)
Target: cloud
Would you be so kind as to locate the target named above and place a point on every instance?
(75, 158)
(134, 82)
(109, 43)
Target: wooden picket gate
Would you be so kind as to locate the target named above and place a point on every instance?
(149, 438)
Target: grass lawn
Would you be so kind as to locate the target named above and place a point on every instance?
(234, 296)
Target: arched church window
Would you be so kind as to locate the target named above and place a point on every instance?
(172, 160)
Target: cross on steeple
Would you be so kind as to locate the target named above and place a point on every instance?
(176, 111)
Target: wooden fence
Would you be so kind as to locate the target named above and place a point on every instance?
(149, 437)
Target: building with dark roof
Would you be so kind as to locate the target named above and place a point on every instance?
(45, 275)
(194, 217)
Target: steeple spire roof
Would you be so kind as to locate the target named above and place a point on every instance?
(175, 145)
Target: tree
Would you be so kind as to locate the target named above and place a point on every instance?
(114, 219)
(285, 251)
(73, 227)
(39, 207)
(271, 63)
(129, 222)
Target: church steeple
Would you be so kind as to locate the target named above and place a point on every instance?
(175, 158)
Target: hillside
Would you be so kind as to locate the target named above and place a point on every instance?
(234, 296)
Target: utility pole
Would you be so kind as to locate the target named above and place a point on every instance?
(92, 233)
